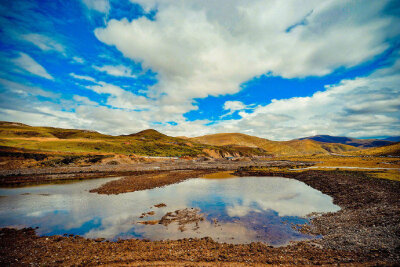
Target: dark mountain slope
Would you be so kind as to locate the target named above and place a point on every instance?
(362, 143)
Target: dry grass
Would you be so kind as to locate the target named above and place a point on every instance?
(355, 161)
(390, 165)
(387, 174)
(393, 150)
(145, 143)
(294, 147)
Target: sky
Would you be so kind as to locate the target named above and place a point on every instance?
(274, 69)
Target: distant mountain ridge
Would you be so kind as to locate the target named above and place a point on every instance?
(361, 143)
(153, 143)
(393, 138)
(279, 148)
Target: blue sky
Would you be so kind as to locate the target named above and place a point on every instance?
(274, 69)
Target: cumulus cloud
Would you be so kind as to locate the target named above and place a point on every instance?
(233, 106)
(25, 62)
(19, 102)
(361, 107)
(119, 71)
(201, 48)
(120, 98)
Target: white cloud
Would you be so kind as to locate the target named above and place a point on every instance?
(120, 98)
(119, 71)
(117, 97)
(365, 106)
(44, 42)
(82, 77)
(102, 6)
(362, 107)
(200, 48)
(51, 117)
(84, 100)
(27, 63)
(78, 60)
(234, 105)
(105, 88)
(26, 90)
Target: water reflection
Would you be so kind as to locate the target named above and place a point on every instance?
(237, 210)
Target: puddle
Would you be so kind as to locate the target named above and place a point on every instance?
(235, 210)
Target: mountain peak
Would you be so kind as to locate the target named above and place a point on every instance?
(149, 133)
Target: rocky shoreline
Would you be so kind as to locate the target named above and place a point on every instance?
(11, 177)
(365, 231)
(368, 222)
(23, 247)
(143, 181)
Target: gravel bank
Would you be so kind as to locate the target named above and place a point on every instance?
(366, 231)
(369, 221)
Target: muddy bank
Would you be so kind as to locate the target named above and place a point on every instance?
(366, 231)
(147, 181)
(23, 247)
(53, 174)
(369, 221)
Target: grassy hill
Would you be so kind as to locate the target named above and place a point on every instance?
(145, 143)
(389, 150)
(293, 147)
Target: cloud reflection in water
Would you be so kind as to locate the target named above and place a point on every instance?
(247, 209)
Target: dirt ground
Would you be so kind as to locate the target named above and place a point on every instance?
(24, 176)
(368, 222)
(147, 181)
(365, 231)
(24, 247)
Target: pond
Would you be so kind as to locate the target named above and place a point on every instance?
(235, 210)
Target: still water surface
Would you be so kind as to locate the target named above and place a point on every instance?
(247, 209)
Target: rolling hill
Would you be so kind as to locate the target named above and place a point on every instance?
(293, 147)
(362, 143)
(392, 150)
(145, 143)
(153, 143)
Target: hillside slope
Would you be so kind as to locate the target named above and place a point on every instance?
(145, 143)
(389, 150)
(362, 143)
(293, 147)
(393, 138)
